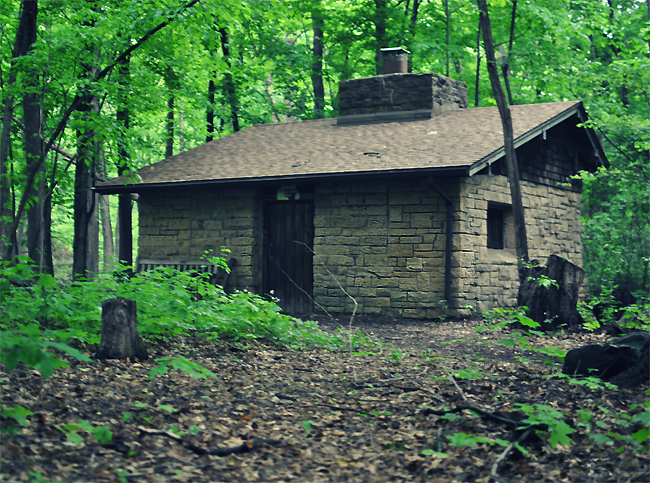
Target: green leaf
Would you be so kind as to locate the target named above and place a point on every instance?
(642, 435)
(19, 413)
(600, 438)
(307, 425)
(430, 452)
(167, 408)
(45, 280)
(560, 433)
(102, 434)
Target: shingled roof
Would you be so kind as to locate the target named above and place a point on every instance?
(459, 142)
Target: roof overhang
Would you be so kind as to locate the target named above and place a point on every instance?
(297, 179)
(577, 110)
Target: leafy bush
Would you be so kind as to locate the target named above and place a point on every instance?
(38, 314)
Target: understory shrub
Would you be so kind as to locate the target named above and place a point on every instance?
(38, 313)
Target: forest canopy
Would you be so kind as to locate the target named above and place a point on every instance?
(95, 89)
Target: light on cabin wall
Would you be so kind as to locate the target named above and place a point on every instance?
(544, 135)
(288, 192)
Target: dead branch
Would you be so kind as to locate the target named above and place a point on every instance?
(242, 448)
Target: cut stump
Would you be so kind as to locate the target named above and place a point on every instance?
(552, 306)
(120, 338)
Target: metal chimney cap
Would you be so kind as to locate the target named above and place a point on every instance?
(395, 51)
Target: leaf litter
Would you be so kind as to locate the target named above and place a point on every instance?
(390, 413)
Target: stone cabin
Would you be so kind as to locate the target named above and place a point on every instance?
(401, 202)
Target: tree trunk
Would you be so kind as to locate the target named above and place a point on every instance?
(381, 12)
(181, 126)
(505, 66)
(552, 306)
(317, 66)
(92, 240)
(123, 232)
(414, 17)
(448, 25)
(33, 127)
(120, 338)
(212, 90)
(48, 262)
(231, 91)
(477, 99)
(508, 138)
(83, 204)
(169, 150)
(25, 37)
(107, 231)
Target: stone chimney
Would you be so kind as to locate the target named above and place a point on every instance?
(398, 97)
(396, 60)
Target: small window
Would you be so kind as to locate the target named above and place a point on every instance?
(495, 227)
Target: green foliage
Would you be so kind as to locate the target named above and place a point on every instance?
(39, 315)
(500, 318)
(101, 433)
(540, 414)
(307, 426)
(180, 363)
(19, 414)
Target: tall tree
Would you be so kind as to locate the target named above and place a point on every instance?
(505, 64)
(124, 235)
(381, 12)
(317, 65)
(25, 37)
(229, 83)
(33, 125)
(521, 241)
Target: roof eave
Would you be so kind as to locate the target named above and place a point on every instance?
(301, 178)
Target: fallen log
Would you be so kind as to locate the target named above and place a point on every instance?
(624, 361)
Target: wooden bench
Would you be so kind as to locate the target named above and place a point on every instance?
(202, 266)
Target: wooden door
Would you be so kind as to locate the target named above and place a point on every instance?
(288, 257)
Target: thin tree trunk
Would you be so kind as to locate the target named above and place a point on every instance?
(477, 98)
(181, 126)
(317, 66)
(123, 229)
(169, 151)
(212, 89)
(48, 261)
(414, 17)
(33, 125)
(231, 92)
(448, 22)
(505, 66)
(83, 197)
(25, 37)
(509, 145)
(380, 33)
(107, 231)
(105, 219)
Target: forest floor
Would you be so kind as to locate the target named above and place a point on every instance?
(321, 416)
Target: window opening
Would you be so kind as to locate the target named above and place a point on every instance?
(495, 227)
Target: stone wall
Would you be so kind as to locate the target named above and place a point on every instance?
(385, 243)
(401, 92)
(183, 224)
(486, 278)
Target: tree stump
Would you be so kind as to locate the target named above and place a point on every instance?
(552, 306)
(120, 338)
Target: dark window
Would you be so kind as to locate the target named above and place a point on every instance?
(495, 227)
